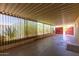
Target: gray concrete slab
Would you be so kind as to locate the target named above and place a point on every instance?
(51, 46)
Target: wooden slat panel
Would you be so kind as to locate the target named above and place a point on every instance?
(47, 13)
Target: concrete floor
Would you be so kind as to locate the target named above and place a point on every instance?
(51, 46)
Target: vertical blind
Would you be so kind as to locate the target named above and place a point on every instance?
(13, 28)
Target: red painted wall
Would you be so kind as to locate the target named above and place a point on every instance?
(59, 30)
(70, 31)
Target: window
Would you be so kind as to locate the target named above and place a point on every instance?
(39, 28)
(46, 29)
(32, 28)
(13, 28)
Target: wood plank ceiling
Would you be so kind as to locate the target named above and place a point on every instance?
(50, 13)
